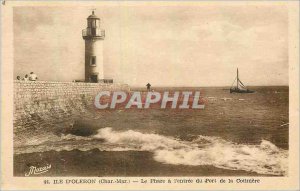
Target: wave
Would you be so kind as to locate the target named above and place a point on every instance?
(265, 158)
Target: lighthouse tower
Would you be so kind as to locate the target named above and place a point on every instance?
(93, 36)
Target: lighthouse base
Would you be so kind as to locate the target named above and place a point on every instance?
(94, 78)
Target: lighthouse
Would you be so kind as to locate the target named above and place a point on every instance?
(93, 36)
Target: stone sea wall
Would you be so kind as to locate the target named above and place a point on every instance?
(40, 103)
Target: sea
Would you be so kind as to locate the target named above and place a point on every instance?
(234, 135)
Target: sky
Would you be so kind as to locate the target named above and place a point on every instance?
(164, 45)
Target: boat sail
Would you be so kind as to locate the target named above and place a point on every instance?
(240, 87)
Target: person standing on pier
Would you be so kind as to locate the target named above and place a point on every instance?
(32, 76)
(25, 78)
(148, 87)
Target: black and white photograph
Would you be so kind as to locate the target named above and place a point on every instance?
(153, 90)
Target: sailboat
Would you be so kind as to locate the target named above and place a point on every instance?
(240, 87)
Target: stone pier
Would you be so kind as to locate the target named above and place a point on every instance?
(43, 102)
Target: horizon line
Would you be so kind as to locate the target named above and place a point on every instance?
(206, 86)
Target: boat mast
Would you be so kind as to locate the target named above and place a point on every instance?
(237, 78)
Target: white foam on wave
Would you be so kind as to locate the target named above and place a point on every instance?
(135, 140)
(264, 158)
